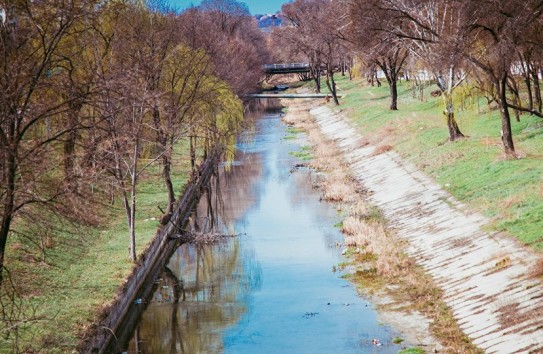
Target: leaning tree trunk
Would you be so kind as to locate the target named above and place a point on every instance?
(331, 83)
(506, 133)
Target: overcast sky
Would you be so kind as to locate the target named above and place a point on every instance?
(255, 6)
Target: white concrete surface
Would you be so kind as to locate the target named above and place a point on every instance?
(448, 241)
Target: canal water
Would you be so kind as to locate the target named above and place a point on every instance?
(273, 287)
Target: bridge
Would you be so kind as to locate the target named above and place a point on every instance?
(293, 68)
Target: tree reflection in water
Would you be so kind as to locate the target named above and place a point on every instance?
(206, 288)
(204, 291)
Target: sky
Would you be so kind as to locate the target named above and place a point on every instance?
(255, 6)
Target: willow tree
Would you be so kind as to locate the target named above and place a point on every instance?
(186, 84)
(32, 108)
(124, 104)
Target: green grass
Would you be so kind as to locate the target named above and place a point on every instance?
(293, 130)
(474, 170)
(85, 268)
(304, 154)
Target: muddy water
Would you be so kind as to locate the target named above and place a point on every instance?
(271, 289)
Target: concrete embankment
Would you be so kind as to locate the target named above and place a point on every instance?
(487, 278)
(118, 320)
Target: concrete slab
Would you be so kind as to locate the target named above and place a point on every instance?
(483, 274)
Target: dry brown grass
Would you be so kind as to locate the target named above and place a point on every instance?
(510, 201)
(382, 260)
(537, 271)
(385, 135)
(381, 149)
(337, 186)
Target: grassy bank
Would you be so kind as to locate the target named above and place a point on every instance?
(474, 170)
(82, 270)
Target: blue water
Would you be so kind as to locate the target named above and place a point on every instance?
(271, 289)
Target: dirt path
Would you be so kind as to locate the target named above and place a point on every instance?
(487, 277)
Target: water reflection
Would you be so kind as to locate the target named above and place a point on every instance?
(271, 289)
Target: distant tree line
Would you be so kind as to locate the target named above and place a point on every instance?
(495, 45)
(93, 92)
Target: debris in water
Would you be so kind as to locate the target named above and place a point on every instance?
(310, 314)
(376, 342)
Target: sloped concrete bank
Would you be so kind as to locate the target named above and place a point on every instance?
(118, 320)
(486, 277)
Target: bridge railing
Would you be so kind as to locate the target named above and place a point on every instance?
(286, 66)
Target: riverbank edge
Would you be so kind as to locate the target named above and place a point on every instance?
(487, 279)
(100, 335)
(406, 298)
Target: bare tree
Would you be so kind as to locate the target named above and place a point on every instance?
(433, 30)
(371, 35)
(494, 30)
(226, 33)
(33, 101)
(316, 28)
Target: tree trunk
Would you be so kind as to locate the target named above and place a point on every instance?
(317, 78)
(331, 83)
(513, 89)
(528, 83)
(454, 130)
(393, 95)
(192, 153)
(69, 143)
(133, 202)
(9, 206)
(506, 133)
(167, 165)
(537, 89)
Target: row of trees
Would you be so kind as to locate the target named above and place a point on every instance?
(94, 92)
(492, 45)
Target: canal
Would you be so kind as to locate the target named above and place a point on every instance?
(272, 287)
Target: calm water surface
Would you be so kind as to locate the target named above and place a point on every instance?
(272, 289)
